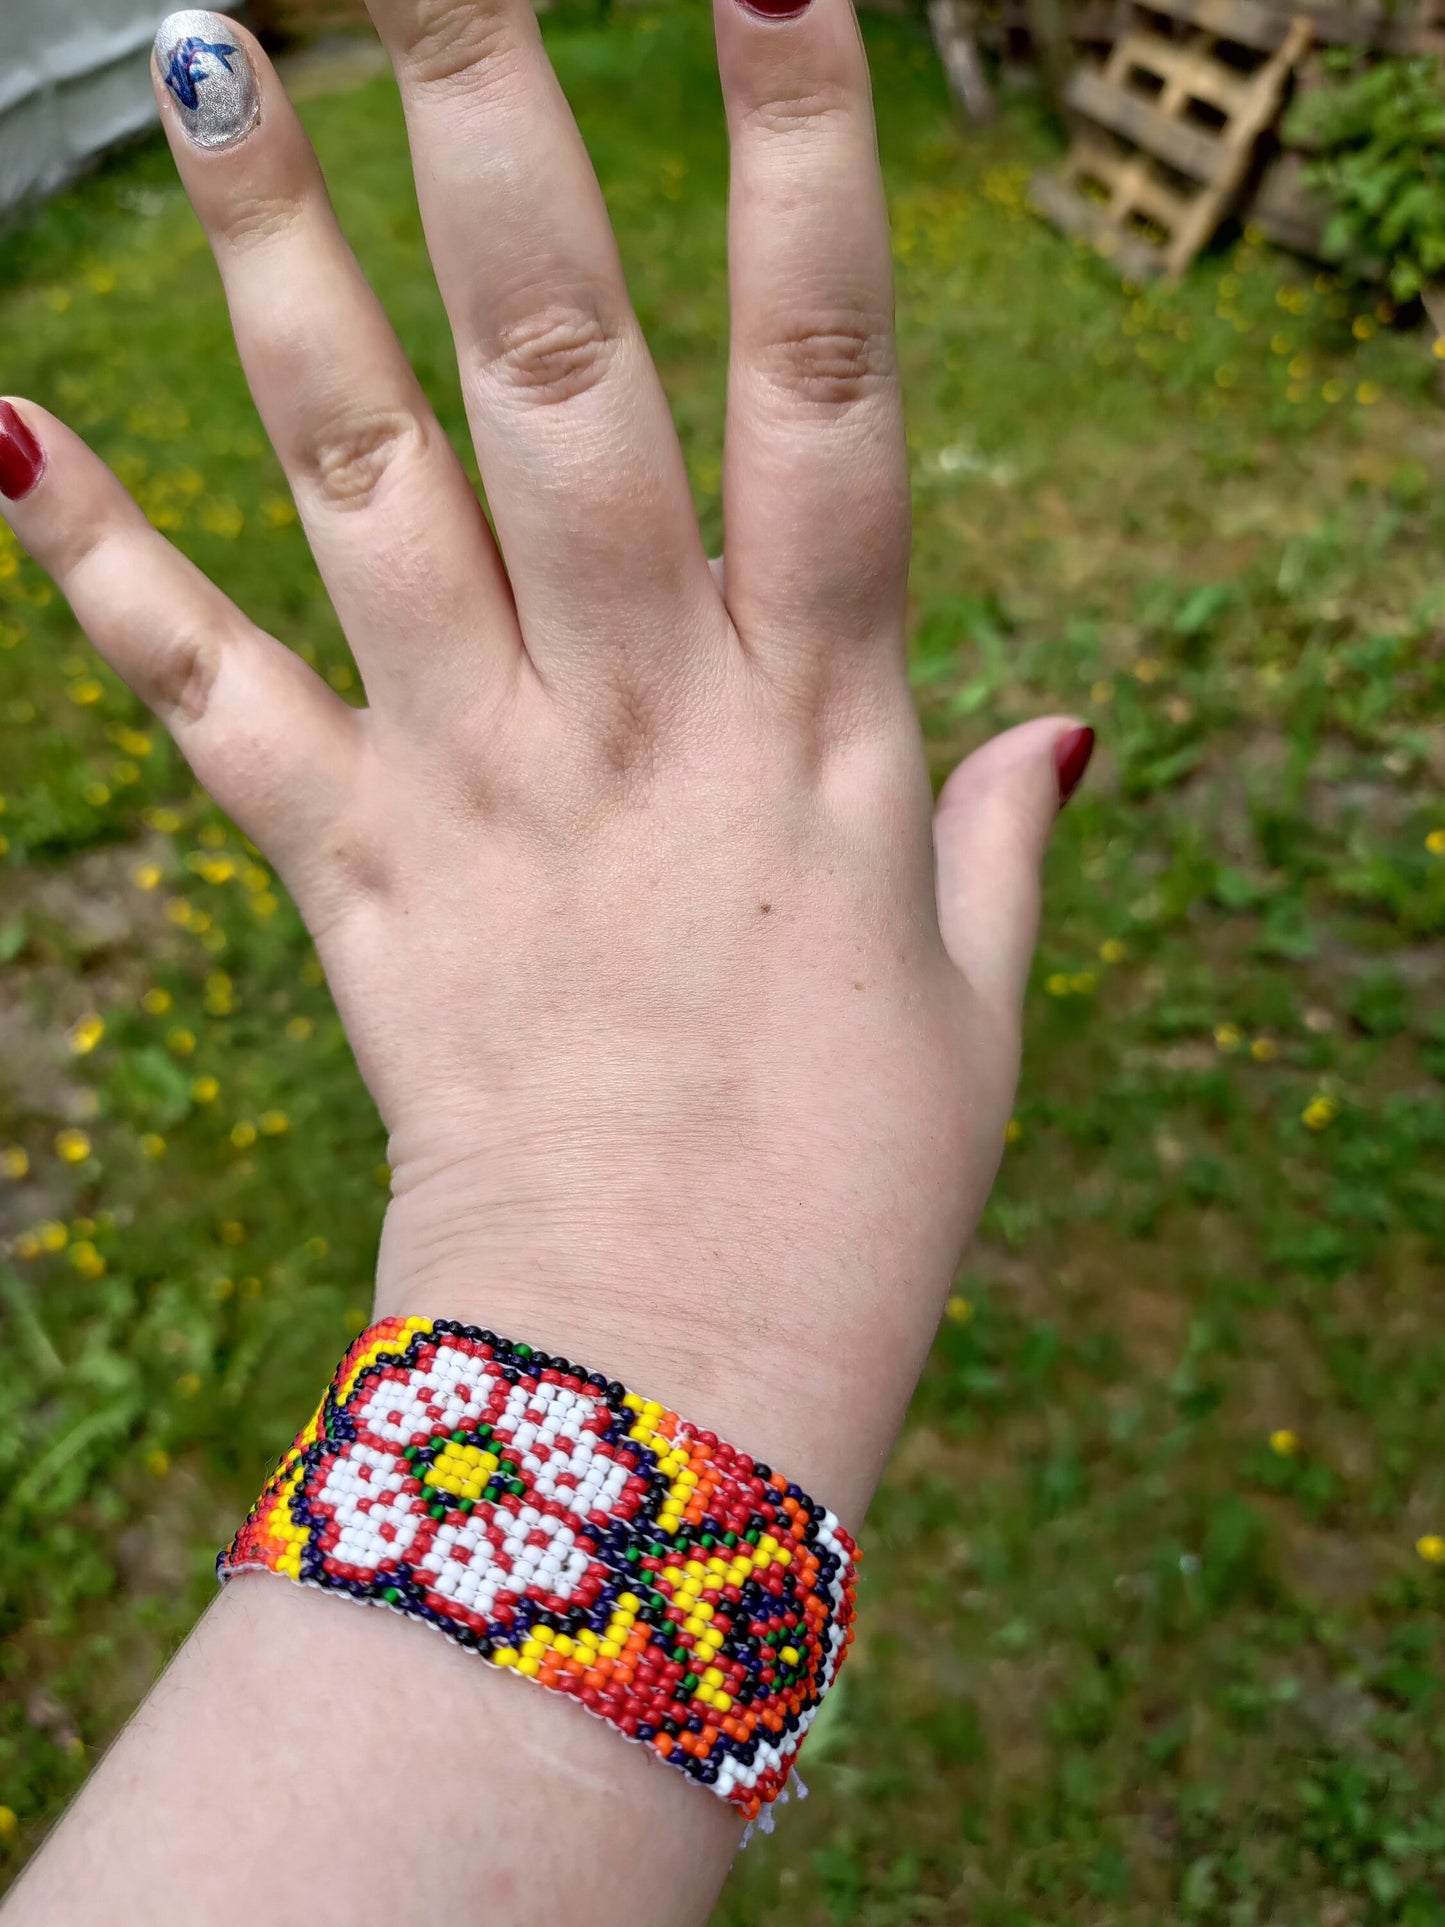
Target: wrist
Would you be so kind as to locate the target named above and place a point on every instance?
(744, 1326)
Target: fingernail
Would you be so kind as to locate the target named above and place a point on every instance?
(22, 459)
(208, 76)
(776, 9)
(1071, 758)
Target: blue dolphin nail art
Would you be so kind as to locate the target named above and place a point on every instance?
(186, 70)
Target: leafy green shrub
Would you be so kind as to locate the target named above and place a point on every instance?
(1375, 136)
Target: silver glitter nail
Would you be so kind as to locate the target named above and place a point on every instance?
(208, 76)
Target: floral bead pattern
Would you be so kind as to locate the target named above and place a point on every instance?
(568, 1530)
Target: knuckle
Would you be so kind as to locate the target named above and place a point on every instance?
(177, 681)
(831, 363)
(811, 110)
(254, 219)
(555, 353)
(345, 462)
(458, 40)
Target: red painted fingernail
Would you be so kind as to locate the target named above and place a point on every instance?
(1071, 759)
(22, 459)
(776, 9)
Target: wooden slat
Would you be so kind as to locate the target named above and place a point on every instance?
(1090, 222)
(1249, 23)
(1180, 67)
(1192, 151)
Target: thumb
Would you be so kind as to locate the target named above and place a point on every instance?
(990, 831)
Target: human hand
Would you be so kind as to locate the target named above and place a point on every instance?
(694, 1029)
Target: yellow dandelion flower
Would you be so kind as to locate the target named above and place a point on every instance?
(1284, 1443)
(274, 1123)
(188, 1384)
(53, 1235)
(1362, 327)
(1083, 983)
(165, 821)
(182, 1042)
(1226, 376)
(298, 1029)
(1368, 393)
(243, 1134)
(382, 1174)
(212, 836)
(156, 1001)
(1012, 1131)
(9, 1823)
(1101, 694)
(178, 912)
(1333, 391)
(124, 772)
(233, 1232)
(1228, 1037)
(1431, 1548)
(1113, 950)
(277, 511)
(254, 878)
(265, 904)
(218, 869)
(1058, 983)
(316, 1247)
(86, 691)
(15, 1161)
(1264, 1050)
(1320, 1112)
(73, 1146)
(222, 1288)
(1435, 842)
(146, 877)
(86, 1259)
(153, 1146)
(26, 1246)
(85, 1033)
(312, 973)
(1437, 348)
(206, 1089)
(97, 795)
(158, 1463)
(132, 741)
(1147, 669)
(223, 517)
(958, 1310)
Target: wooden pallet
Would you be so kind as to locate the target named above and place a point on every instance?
(1168, 126)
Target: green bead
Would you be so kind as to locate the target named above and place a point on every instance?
(752, 1535)
(437, 1511)
(459, 1437)
(517, 1489)
(391, 1595)
(522, 1351)
(730, 1539)
(412, 1452)
(690, 1682)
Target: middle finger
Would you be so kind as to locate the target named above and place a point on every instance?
(578, 455)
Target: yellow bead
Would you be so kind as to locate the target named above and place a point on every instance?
(630, 1602)
(705, 1694)
(715, 1676)
(565, 1645)
(529, 1666)
(632, 1401)
(790, 1655)
(609, 1649)
(532, 1649)
(543, 1635)
(722, 1701)
(692, 1624)
(504, 1656)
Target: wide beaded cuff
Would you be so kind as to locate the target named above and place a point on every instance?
(570, 1531)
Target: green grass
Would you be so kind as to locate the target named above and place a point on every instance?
(1123, 1659)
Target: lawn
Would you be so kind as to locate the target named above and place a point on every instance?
(1154, 1616)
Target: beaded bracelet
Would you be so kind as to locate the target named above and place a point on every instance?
(565, 1529)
